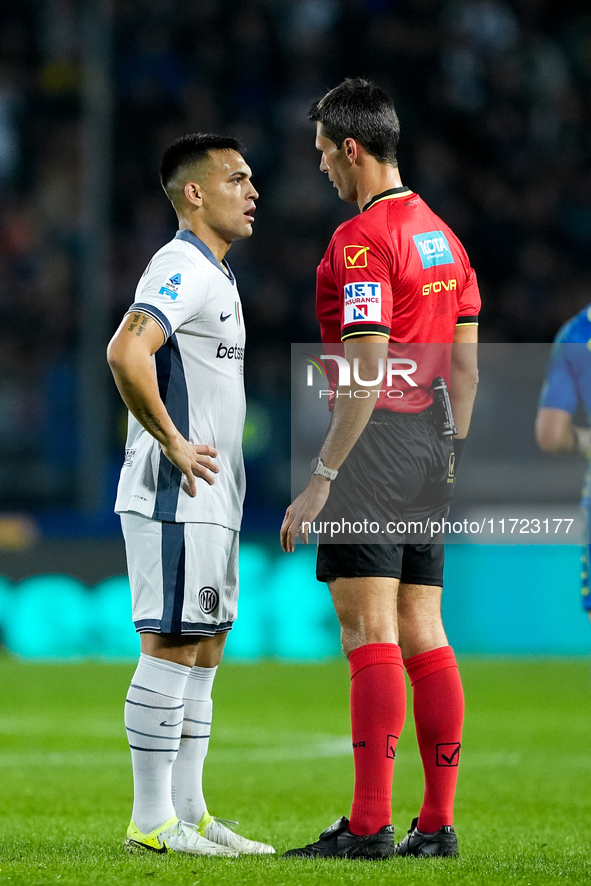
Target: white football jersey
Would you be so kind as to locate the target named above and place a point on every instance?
(199, 369)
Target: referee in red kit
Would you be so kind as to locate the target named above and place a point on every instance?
(394, 280)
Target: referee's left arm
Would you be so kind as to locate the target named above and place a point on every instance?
(349, 418)
(463, 378)
(351, 413)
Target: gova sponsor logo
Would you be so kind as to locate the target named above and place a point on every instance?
(231, 353)
(438, 285)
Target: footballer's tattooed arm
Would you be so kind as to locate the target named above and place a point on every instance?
(140, 320)
(130, 354)
(150, 422)
(135, 319)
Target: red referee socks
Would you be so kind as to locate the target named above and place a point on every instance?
(438, 706)
(378, 707)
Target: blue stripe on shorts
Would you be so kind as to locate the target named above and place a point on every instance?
(173, 577)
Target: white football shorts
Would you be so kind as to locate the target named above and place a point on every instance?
(183, 576)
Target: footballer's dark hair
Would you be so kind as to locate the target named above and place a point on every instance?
(191, 149)
(359, 109)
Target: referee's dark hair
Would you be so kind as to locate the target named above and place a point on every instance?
(188, 151)
(359, 109)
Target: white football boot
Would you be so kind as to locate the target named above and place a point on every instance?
(175, 836)
(217, 830)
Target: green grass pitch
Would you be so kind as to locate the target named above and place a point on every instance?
(280, 762)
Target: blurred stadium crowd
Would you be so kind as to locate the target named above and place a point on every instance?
(494, 99)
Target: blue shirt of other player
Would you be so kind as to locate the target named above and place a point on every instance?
(568, 386)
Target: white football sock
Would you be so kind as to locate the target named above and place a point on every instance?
(187, 772)
(153, 720)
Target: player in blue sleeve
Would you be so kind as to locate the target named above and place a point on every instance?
(568, 386)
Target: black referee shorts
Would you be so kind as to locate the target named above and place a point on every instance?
(395, 484)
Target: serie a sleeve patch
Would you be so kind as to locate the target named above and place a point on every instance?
(171, 287)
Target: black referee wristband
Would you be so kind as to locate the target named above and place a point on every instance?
(459, 446)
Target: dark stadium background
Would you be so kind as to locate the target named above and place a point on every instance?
(494, 100)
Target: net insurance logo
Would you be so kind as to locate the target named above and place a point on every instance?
(393, 370)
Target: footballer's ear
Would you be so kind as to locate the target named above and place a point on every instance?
(193, 193)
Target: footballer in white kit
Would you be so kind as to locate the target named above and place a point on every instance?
(177, 359)
(184, 577)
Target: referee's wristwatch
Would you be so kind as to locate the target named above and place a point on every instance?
(317, 466)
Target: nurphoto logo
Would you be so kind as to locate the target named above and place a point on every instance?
(393, 369)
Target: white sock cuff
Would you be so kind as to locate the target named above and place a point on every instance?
(159, 675)
(200, 683)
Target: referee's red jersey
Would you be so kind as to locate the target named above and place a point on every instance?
(397, 270)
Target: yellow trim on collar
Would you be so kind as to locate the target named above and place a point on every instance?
(390, 197)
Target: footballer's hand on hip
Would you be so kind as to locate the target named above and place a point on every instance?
(302, 512)
(192, 461)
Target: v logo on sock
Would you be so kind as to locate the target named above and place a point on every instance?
(391, 746)
(448, 754)
(164, 723)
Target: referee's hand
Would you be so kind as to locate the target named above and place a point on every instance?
(302, 512)
(192, 461)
